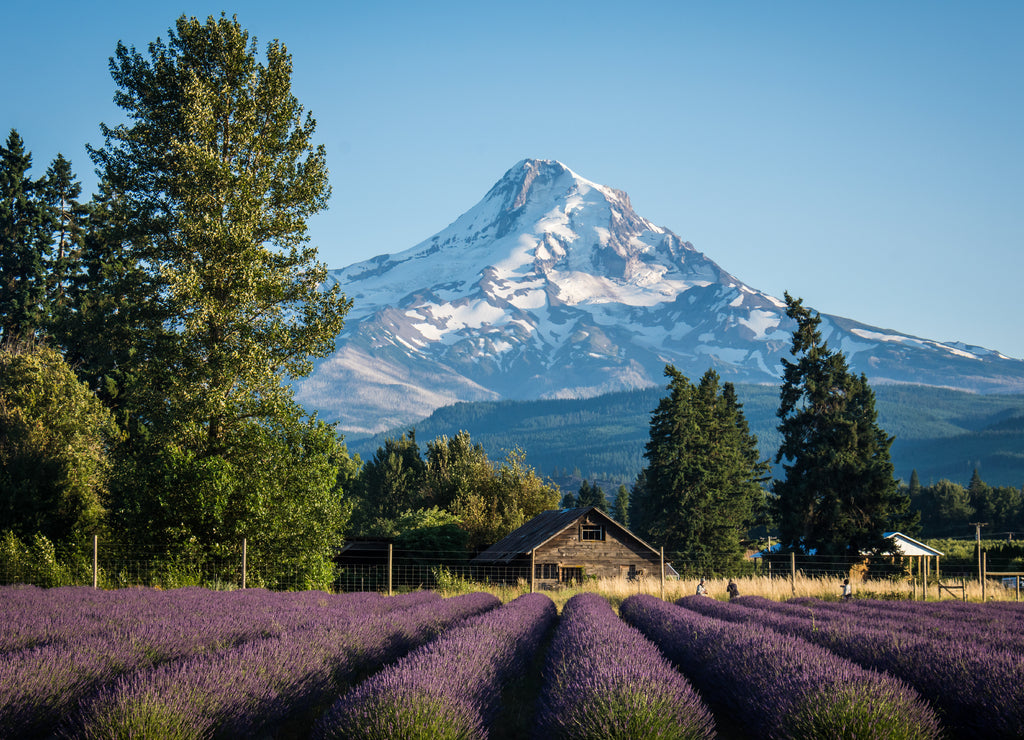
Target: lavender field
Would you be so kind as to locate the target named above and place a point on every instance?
(193, 663)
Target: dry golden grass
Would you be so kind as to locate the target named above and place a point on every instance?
(616, 590)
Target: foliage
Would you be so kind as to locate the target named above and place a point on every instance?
(55, 444)
(512, 496)
(218, 172)
(454, 469)
(390, 483)
(24, 243)
(620, 511)
(589, 495)
(425, 533)
(949, 509)
(457, 480)
(701, 488)
(277, 488)
(35, 560)
(838, 495)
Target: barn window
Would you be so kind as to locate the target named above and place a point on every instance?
(546, 571)
(592, 532)
(572, 574)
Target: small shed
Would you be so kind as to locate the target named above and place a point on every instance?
(569, 544)
(908, 547)
(911, 548)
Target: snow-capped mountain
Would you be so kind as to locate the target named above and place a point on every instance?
(553, 286)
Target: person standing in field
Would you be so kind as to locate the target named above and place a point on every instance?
(847, 592)
(702, 590)
(733, 589)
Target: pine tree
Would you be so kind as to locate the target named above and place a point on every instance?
(620, 512)
(24, 244)
(838, 495)
(68, 219)
(589, 495)
(702, 489)
(115, 324)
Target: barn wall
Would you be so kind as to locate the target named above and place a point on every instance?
(619, 554)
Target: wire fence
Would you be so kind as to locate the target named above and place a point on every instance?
(383, 568)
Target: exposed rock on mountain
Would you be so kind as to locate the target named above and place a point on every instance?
(553, 286)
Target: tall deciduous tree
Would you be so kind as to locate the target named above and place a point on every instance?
(455, 468)
(207, 188)
(218, 172)
(701, 489)
(838, 495)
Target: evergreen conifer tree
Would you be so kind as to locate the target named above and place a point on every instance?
(838, 495)
(68, 219)
(702, 483)
(24, 244)
(589, 495)
(620, 512)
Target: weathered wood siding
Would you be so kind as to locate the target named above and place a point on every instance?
(618, 554)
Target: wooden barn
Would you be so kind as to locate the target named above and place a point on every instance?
(570, 544)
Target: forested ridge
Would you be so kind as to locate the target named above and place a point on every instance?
(940, 432)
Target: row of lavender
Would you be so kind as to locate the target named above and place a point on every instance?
(37, 617)
(602, 678)
(780, 686)
(236, 664)
(297, 653)
(968, 663)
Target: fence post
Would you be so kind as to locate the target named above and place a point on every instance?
(533, 569)
(984, 576)
(662, 572)
(95, 561)
(245, 559)
(390, 561)
(792, 571)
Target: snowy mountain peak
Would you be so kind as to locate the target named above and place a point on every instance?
(553, 286)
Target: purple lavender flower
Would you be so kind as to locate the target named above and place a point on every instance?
(604, 679)
(449, 688)
(977, 689)
(778, 685)
(256, 686)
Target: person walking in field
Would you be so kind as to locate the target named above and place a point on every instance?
(702, 590)
(847, 592)
(733, 589)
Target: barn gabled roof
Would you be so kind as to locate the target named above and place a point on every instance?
(542, 528)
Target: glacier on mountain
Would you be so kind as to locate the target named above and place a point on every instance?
(552, 286)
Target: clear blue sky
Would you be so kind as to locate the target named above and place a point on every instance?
(867, 156)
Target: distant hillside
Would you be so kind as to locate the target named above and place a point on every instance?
(942, 433)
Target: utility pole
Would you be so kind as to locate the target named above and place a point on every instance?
(977, 532)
